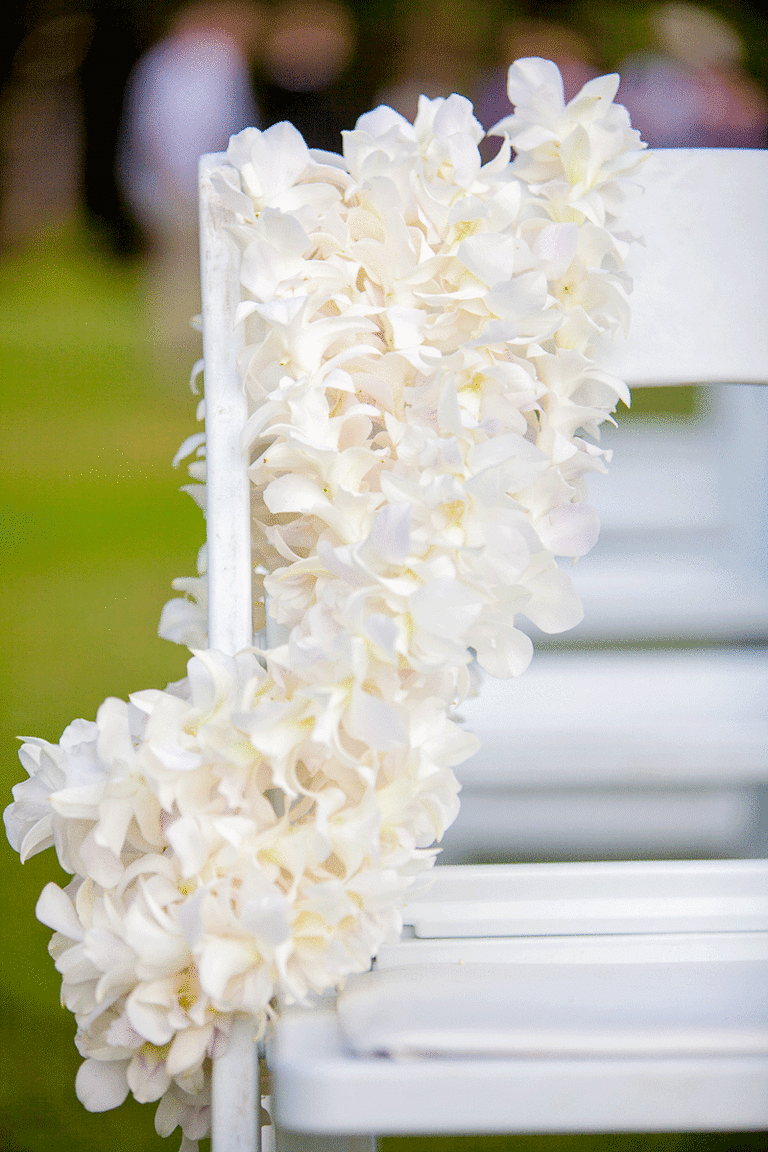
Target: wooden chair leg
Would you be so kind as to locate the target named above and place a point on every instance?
(235, 1126)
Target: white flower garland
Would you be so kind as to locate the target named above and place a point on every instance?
(422, 335)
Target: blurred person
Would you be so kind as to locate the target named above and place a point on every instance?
(690, 90)
(305, 66)
(122, 31)
(441, 47)
(41, 118)
(187, 95)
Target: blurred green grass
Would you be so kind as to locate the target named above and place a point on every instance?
(92, 531)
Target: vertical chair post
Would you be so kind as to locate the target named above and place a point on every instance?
(235, 1088)
(230, 625)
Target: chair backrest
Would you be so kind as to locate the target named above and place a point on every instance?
(693, 567)
(701, 275)
(698, 317)
(631, 750)
(696, 567)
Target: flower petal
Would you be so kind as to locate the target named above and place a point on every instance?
(101, 1084)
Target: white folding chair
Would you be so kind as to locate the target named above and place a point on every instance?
(658, 745)
(616, 931)
(546, 998)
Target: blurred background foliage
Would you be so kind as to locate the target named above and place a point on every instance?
(94, 363)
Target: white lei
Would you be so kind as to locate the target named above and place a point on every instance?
(422, 340)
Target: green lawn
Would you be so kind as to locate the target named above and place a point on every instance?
(93, 531)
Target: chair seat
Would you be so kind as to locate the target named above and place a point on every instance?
(588, 899)
(624, 1008)
(321, 1087)
(549, 998)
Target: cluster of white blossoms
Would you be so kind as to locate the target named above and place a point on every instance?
(225, 861)
(422, 336)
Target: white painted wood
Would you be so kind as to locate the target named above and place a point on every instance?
(667, 1005)
(320, 1087)
(701, 279)
(698, 318)
(593, 899)
(684, 538)
(613, 948)
(230, 617)
(618, 753)
(683, 545)
(655, 718)
(684, 527)
(235, 1091)
(575, 1008)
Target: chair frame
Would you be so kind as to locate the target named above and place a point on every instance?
(485, 1103)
